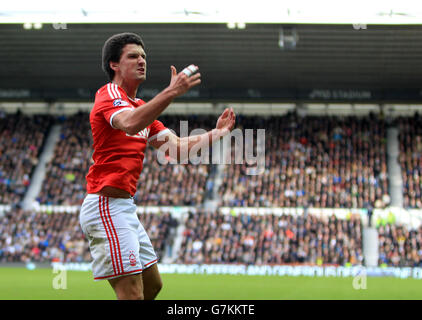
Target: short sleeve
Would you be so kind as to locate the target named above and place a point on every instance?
(113, 103)
(157, 129)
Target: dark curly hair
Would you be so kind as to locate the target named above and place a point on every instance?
(113, 47)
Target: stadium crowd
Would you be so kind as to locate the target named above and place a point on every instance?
(159, 184)
(322, 162)
(43, 237)
(311, 161)
(161, 229)
(168, 183)
(271, 239)
(410, 159)
(21, 140)
(216, 238)
(65, 173)
(399, 246)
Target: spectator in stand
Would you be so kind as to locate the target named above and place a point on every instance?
(21, 140)
(171, 185)
(410, 158)
(178, 184)
(271, 239)
(161, 229)
(323, 162)
(400, 246)
(217, 238)
(42, 237)
(65, 174)
(175, 184)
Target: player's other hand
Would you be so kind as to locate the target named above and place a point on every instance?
(180, 83)
(226, 121)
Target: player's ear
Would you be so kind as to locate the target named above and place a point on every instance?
(114, 65)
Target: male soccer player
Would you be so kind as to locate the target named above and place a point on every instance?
(122, 125)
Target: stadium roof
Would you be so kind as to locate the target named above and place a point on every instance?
(216, 11)
(255, 61)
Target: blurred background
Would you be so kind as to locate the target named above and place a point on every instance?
(337, 88)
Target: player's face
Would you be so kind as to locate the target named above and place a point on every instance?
(133, 64)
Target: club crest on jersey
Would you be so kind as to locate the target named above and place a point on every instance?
(132, 258)
(141, 134)
(120, 102)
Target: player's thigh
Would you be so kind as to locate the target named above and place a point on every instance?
(152, 282)
(151, 277)
(128, 287)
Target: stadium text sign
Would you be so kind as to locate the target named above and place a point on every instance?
(294, 271)
(266, 270)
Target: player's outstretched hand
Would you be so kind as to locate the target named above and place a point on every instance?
(181, 82)
(226, 121)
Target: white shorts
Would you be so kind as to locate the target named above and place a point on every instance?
(118, 242)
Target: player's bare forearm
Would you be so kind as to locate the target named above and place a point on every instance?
(225, 124)
(186, 144)
(138, 119)
(179, 148)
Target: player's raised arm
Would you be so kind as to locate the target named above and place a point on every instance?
(133, 121)
(224, 126)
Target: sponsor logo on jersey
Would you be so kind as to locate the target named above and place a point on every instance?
(120, 102)
(144, 134)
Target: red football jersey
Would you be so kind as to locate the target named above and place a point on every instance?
(118, 157)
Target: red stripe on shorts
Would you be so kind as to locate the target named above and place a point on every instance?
(117, 239)
(113, 236)
(149, 263)
(119, 274)
(110, 239)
